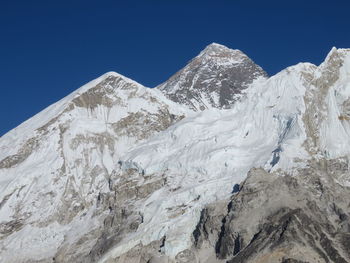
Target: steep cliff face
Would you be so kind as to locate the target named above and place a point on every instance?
(215, 78)
(116, 172)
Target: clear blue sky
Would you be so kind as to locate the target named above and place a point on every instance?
(50, 48)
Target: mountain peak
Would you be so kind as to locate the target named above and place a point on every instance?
(214, 78)
(340, 53)
(215, 47)
(217, 52)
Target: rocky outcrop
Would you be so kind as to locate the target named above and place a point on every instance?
(276, 217)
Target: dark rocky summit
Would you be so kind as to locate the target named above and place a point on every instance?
(215, 78)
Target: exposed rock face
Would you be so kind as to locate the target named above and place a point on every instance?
(281, 218)
(215, 78)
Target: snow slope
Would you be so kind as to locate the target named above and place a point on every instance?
(54, 166)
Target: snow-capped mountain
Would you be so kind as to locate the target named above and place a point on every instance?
(56, 166)
(218, 164)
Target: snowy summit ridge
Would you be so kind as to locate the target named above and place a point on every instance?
(218, 164)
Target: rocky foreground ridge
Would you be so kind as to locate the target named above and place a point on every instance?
(218, 164)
